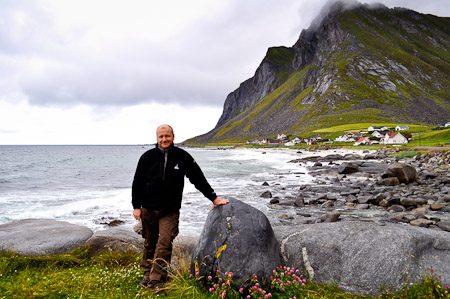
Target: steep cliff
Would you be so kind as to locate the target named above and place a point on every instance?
(356, 64)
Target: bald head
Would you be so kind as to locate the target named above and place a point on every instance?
(164, 126)
(164, 136)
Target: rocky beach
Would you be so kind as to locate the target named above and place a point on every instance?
(355, 185)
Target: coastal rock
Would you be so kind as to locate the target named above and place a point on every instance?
(299, 202)
(403, 172)
(239, 238)
(266, 194)
(444, 225)
(274, 201)
(347, 168)
(115, 240)
(436, 207)
(364, 257)
(421, 222)
(42, 236)
(393, 181)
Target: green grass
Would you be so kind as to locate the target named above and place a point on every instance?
(408, 154)
(116, 275)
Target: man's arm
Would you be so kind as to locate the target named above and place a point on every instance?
(196, 177)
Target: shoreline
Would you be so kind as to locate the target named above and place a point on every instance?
(303, 153)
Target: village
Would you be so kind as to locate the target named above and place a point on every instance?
(374, 135)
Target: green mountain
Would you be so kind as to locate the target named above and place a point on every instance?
(358, 64)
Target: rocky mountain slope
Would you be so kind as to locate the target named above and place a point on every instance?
(365, 63)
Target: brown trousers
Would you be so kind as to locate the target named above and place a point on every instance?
(158, 230)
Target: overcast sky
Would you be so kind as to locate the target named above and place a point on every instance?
(110, 71)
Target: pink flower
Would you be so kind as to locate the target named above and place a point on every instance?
(209, 277)
(211, 289)
(241, 290)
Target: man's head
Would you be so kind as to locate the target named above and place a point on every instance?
(164, 136)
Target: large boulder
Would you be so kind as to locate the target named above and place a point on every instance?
(347, 168)
(42, 236)
(115, 239)
(365, 257)
(403, 172)
(237, 238)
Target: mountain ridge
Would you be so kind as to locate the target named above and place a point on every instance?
(355, 63)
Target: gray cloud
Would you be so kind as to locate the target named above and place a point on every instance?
(200, 65)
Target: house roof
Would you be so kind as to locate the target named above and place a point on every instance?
(362, 139)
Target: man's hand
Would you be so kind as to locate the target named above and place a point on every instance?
(137, 214)
(219, 201)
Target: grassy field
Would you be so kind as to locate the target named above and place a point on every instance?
(116, 275)
(422, 135)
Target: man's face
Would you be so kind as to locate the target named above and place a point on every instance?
(164, 136)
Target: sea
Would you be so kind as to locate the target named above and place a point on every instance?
(90, 185)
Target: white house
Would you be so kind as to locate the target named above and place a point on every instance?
(375, 128)
(294, 141)
(378, 134)
(345, 138)
(393, 138)
(447, 125)
(281, 136)
(401, 128)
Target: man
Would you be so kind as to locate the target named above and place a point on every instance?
(156, 198)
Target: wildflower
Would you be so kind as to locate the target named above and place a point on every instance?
(209, 277)
(339, 287)
(211, 289)
(182, 292)
(241, 290)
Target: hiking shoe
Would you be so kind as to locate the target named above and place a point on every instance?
(157, 289)
(144, 283)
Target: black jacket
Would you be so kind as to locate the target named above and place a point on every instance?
(161, 189)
